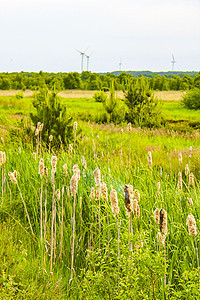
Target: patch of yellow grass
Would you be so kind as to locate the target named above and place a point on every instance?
(169, 96)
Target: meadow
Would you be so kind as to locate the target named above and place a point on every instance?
(80, 222)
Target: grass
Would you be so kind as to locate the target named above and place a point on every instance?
(100, 273)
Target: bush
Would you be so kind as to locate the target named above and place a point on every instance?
(142, 106)
(192, 99)
(53, 115)
(100, 96)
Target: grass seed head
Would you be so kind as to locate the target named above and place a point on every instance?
(187, 170)
(92, 194)
(54, 163)
(51, 138)
(41, 127)
(180, 184)
(34, 155)
(36, 131)
(129, 127)
(65, 170)
(98, 193)
(190, 152)
(41, 167)
(191, 179)
(157, 216)
(149, 157)
(74, 185)
(121, 130)
(12, 177)
(136, 195)
(190, 202)
(76, 171)
(191, 223)
(114, 202)
(70, 148)
(75, 126)
(104, 192)
(180, 158)
(163, 221)
(128, 198)
(97, 176)
(58, 194)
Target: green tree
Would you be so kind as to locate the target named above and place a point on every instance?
(53, 115)
(72, 81)
(142, 106)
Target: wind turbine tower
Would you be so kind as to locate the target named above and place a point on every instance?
(82, 58)
(173, 62)
(120, 65)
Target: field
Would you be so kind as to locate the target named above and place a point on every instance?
(71, 233)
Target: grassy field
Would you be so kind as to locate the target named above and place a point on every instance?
(114, 258)
(80, 104)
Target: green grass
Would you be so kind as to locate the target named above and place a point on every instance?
(176, 111)
(97, 276)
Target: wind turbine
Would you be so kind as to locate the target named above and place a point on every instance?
(120, 65)
(82, 57)
(88, 58)
(173, 62)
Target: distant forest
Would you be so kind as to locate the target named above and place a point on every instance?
(161, 81)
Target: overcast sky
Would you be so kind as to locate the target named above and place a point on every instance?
(44, 35)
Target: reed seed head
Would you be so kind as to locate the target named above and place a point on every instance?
(41, 127)
(97, 176)
(128, 191)
(36, 131)
(75, 126)
(65, 169)
(92, 194)
(190, 202)
(157, 216)
(54, 163)
(136, 195)
(51, 138)
(191, 223)
(180, 158)
(38, 125)
(74, 185)
(114, 202)
(46, 172)
(191, 179)
(190, 152)
(70, 148)
(76, 171)
(104, 190)
(129, 127)
(98, 193)
(12, 177)
(163, 221)
(161, 238)
(83, 161)
(58, 194)
(187, 170)
(41, 167)
(2, 158)
(149, 157)
(180, 184)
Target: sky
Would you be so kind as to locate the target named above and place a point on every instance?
(141, 34)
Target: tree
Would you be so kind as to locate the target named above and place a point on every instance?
(72, 81)
(142, 106)
(53, 115)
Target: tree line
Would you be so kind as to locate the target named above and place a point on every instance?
(94, 81)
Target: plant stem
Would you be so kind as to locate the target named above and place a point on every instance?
(73, 239)
(25, 209)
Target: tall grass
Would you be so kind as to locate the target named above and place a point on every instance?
(99, 262)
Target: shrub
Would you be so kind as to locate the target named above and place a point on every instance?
(142, 106)
(192, 99)
(53, 115)
(100, 96)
